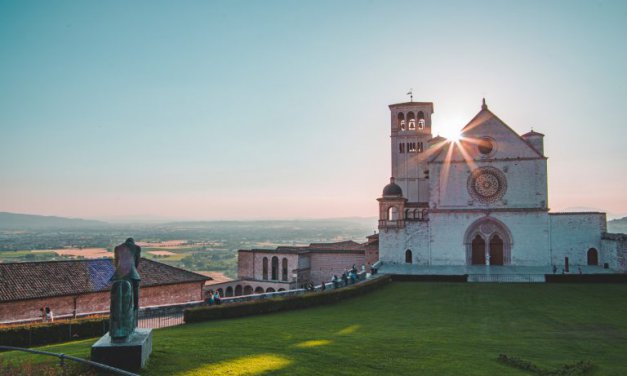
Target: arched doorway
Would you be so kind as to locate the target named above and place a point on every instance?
(269, 289)
(478, 251)
(284, 269)
(408, 256)
(238, 290)
(248, 290)
(593, 257)
(229, 291)
(275, 268)
(488, 242)
(496, 250)
(259, 290)
(265, 268)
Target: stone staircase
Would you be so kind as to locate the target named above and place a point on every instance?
(506, 278)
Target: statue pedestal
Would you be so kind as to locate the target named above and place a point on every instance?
(131, 355)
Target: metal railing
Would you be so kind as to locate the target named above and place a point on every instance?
(362, 276)
(63, 357)
(155, 320)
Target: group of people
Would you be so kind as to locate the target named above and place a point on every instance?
(46, 314)
(213, 297)
(564, 270)
(348, 277)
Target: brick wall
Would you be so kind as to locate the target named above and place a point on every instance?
(245, 264)
(325, 265)
(98, 302)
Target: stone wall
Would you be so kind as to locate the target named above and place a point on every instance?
(573, 234)
(441, 240)
(614, 251)
(526, 185)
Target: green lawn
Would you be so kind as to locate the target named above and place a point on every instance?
(407, 329)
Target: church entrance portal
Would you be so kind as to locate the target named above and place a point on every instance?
(496, 251)
(593, 257)
(478, 250)
(488, 242)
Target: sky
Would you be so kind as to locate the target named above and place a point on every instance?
(278, 109)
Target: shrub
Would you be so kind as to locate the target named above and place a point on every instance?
(578, 369)
(270, 305)
(46, 333)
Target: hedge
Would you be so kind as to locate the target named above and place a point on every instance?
(270, 305)
(429, 278)
(586, 278)
(48, 333)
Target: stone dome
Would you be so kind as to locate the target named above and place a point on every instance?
(392, 190)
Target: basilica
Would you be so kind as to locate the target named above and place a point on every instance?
(480, 200)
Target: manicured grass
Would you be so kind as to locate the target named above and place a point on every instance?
(406, 329)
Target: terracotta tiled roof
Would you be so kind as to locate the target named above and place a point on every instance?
(30, 280)
(345, 246)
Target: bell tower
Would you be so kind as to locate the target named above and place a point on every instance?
(410, 131)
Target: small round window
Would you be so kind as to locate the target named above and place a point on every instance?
(485, 146)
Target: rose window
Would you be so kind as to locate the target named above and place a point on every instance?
(487, 184)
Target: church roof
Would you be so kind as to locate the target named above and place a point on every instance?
(484, 124)
(42, 279)
(532, 133)
(392, 190)
(348, 246)
(405, 104)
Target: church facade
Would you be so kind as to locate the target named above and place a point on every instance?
(480, 200)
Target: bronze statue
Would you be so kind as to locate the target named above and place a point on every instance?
(125, 291)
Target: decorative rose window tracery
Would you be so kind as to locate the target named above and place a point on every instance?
(487, 184)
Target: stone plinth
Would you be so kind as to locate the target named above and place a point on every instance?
(131, 355)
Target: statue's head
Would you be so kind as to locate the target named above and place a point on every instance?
(130, 241)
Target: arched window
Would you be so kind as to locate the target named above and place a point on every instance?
(238, 290)
(408, 256)
(593, 257)
(401, 121)
(418, 214)
(284, 269)
(229, 291)
(248, 290)
(259, 290)
(393, 213)
(270, 289)
(401, 147)
(408, 214)
(421, 120)
(265, 268)
(412, 121)
(275, 268)
(221, 292)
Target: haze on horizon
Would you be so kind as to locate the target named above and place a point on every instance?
(247, 110)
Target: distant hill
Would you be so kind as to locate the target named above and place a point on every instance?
(13, 221)
(617, 225)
